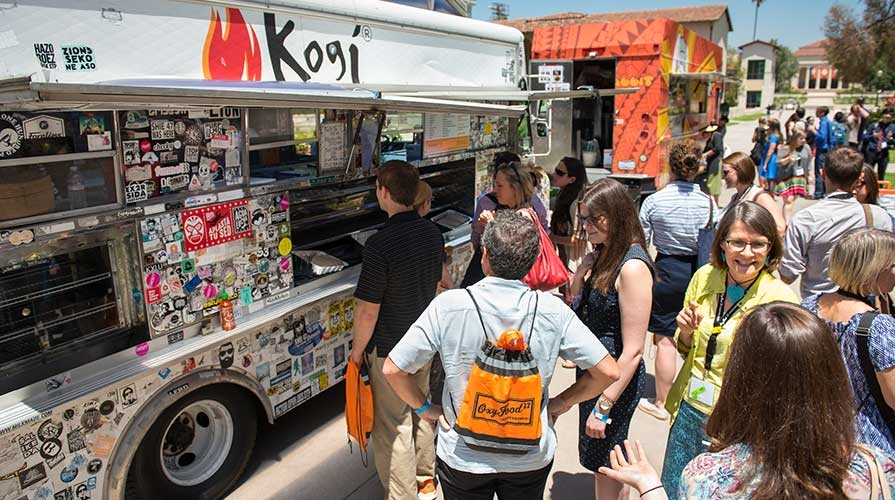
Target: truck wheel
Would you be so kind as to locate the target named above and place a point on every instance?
(197, 448)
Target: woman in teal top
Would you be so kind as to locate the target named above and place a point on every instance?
(768, 172)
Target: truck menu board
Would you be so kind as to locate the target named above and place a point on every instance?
(194, 258)
(173, 151)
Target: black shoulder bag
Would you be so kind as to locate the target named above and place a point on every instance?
(862, 340)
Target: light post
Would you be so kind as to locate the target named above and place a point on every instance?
(879, 77)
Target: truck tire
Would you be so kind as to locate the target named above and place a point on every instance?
(197, 448)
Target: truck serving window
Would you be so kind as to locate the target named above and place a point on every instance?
(65, 163)
(283, 144)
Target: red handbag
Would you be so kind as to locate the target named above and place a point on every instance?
(548, 271)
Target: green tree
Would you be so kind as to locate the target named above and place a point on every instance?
(860, 44)
(785, 68)
(734, 79)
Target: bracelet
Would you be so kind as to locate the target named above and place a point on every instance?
(602, 418)
(651, 489)
(422, 409)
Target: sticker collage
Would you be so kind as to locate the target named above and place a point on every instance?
(195, 258)
(173, 151)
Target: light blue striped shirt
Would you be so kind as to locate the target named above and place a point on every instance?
(673, 216)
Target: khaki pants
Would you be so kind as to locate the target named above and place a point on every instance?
(403, 445)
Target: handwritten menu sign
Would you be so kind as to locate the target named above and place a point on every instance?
(333, 152)
(213, 225)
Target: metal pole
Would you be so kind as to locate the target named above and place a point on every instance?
(755, 24)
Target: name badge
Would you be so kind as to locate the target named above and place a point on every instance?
(702, 391)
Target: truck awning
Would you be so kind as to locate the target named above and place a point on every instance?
(23, 94)
(513, 95)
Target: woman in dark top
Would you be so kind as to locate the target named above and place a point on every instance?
(613, 288)
(570, 177)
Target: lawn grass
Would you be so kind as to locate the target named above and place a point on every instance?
(748, 117)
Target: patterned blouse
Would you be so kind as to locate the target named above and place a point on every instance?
(869, 425)
(726, 475)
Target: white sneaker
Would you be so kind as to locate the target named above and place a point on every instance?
(650, 408)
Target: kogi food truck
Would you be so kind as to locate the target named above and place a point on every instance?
(185, 192)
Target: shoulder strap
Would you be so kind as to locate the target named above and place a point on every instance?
(479, 312)
(868, 214)
(482, 321)
(711, 213)
(862, 340)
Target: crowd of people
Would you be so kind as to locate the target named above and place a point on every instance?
(780, 396)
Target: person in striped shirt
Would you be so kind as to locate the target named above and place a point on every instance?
(671, 220)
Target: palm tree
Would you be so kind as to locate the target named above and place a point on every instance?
(755, 25)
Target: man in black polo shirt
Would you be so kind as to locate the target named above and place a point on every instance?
(401, 268)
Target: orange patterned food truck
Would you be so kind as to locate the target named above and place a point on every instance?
(678, 79)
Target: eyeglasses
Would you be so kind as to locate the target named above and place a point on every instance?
(591, 219)
(739, 245)
(560, 173)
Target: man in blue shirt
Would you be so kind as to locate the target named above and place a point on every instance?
(822, 140)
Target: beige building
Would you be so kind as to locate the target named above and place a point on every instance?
(758, 60)
(816, 76)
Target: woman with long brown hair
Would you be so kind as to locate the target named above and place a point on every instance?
(613, 287)
(781, 437)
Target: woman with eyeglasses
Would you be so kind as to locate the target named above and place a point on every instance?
(613, 289)
(779, 436)
(671, 219)
(861, 265)
(570, 177)
(738, 172)
(745, 252)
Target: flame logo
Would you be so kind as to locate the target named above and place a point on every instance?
(231, 50)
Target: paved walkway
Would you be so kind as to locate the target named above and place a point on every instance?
(305, 455)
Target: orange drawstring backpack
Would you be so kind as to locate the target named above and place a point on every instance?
(501, 408)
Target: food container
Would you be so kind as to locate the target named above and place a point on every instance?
(318, 263)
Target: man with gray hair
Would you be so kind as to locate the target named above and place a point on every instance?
(453, 325)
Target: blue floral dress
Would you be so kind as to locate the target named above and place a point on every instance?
(869, 425)
(729, 474)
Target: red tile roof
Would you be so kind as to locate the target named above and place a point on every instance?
(816, 49)
(707, 13)
(760, 42)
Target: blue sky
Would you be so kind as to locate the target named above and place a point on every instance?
(793, 23)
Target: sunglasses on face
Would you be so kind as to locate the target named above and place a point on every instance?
(560, 173)
(725, 172)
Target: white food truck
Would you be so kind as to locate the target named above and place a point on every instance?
(164, 161)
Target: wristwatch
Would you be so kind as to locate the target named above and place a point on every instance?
(605, 404)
